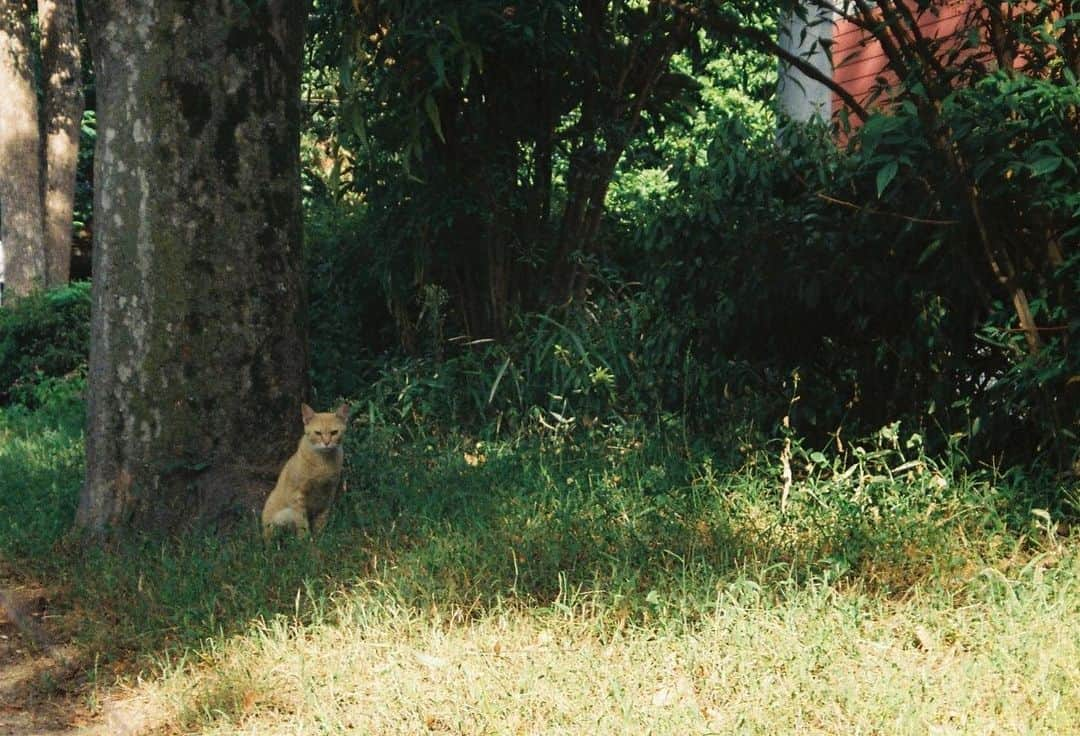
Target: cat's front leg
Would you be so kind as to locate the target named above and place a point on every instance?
(302, 526)
(320, 520)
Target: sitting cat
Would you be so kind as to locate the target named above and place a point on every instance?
(309, 481)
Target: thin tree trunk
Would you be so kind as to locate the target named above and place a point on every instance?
(62, 65)
(591, 170)
(198, 356)
(20, 164)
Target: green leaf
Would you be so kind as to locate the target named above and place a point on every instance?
(498, 378)
(433, 115)
(335, 176)
(435, 57)
(929, 251)
(345, 73)
(454, 25)
(885, 175)
(1045, 165)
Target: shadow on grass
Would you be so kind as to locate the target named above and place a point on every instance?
(640, 526)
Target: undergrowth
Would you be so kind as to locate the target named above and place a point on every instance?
(576, 538)
(645, 520)
(43, 337)
(559, 543)
(41, 466)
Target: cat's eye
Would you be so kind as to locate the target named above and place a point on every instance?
(333, 432)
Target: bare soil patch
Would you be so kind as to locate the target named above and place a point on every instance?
(41, 671)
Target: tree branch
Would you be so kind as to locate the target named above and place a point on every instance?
(862, 208)
(765, 42)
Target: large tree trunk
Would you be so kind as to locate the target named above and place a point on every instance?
(20, 165)
(198, 356)
(62, 66)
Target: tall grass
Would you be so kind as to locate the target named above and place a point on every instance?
(630, 585)
(552, 580)
(631, 515)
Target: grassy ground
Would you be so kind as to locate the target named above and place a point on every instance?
(813, 659)
(628, 580)
(41, 464)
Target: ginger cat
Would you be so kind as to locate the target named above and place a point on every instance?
(309, 481)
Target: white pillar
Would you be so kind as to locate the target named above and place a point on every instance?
(799, 97)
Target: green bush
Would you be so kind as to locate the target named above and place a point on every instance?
(741, 278)
(43, 336)
(761, 281)
(757, 278)
(1024, 135)
(863, 275)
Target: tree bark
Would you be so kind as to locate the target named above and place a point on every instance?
(61, 62)
(198, 357)
(20, 165)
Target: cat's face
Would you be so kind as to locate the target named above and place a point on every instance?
(324, 430)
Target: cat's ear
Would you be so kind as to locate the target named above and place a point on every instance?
(306, 412)
(343, 412)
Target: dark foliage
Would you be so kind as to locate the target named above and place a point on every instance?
(43, 336)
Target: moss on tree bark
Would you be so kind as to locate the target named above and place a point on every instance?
(198, 351)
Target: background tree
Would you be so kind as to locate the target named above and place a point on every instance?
(61, 64)
(38, 168)
(20, 151)
(509, 122)
(198, 356)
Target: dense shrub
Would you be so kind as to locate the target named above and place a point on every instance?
(751, 280)
(860, 269)
(1023, 135)
(748, 263)
(42, 337)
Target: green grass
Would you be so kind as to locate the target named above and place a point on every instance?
(812, 659)
(41, 466)
(624, 576)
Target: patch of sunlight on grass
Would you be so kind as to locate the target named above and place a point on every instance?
(601, 588)
(817, 660)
